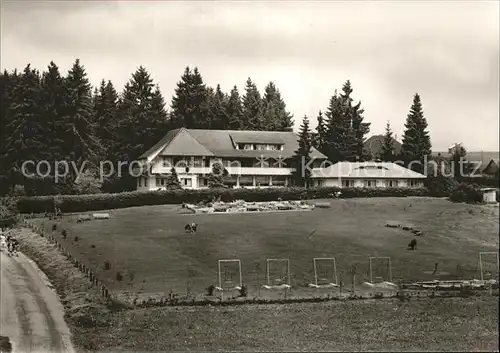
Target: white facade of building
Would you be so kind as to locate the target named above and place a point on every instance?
(367, 175)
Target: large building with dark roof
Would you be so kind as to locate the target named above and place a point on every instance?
(251, 158)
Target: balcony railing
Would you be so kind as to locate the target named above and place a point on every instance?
(159, 169)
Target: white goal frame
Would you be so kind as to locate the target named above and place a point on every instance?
(335, 280)
(268, 279)
(380, 258)
(238, 261)
(481, 262)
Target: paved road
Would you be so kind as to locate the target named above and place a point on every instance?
(31, 313)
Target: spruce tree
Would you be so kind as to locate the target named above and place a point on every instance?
(252, 117)
(106, 117)
(416, 141)
(219, 118)
(387, 150)
(216, 178)
(172, 181)
(320, 136)
(189, 103)
(356, 128)
(8, 82)
(142, 117)
(275, 117)
(77, 130)
(25, 140)
(234, 110)
(336, 130)
(302, 157)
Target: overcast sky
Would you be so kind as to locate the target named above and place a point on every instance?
(446, 51)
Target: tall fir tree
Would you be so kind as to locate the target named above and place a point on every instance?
(320, 135)
(416, 140)
(8, 82)
(356, 127)
(219, 118)
(189, 103)
(140, 107)
(336, 129)
(26, 139)
(302, 156)
(77, 129)
(252, 117)
(275, 117)
(234, 110)
(387, 153)
(106, 116)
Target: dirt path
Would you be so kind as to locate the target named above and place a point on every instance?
(31, 313)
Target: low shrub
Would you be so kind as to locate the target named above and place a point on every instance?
(469, 193)
(107, 265)
(119, 277)
(210, 290)
(243, 291)
(64, 233)
(96, 202)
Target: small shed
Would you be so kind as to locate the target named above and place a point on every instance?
(489, 195)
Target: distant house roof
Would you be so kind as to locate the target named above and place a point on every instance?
(222, 143)
(366, 170)
(374, 145)
(482, 159)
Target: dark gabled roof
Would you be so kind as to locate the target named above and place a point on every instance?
(221, 143)
(163, 142)
(374, 145)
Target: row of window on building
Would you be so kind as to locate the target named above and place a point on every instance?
(259, 147)
(198, 162)
(350, 183)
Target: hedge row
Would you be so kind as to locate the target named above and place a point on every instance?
(83, 203)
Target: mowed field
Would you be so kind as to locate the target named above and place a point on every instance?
(149, 247)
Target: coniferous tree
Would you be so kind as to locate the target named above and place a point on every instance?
(77, 130)
(105, 117)
(252, 117)
(8, 82)
(302, 157)
(320, 136)
(387, 150)
(336, 130)
(25, 140)
(172, 180)
(216, 178)
(275, 117)
(357, 129)
(416, 141)
(219, 118)
(189, 103)
(460, 166)
(234, 110)
(141, 105)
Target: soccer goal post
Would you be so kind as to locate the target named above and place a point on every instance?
(230, 276)
(278, 272)
(488, 265)
(325, 271)
(376, 272)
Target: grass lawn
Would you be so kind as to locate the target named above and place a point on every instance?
(149, 247)
(385, 325)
